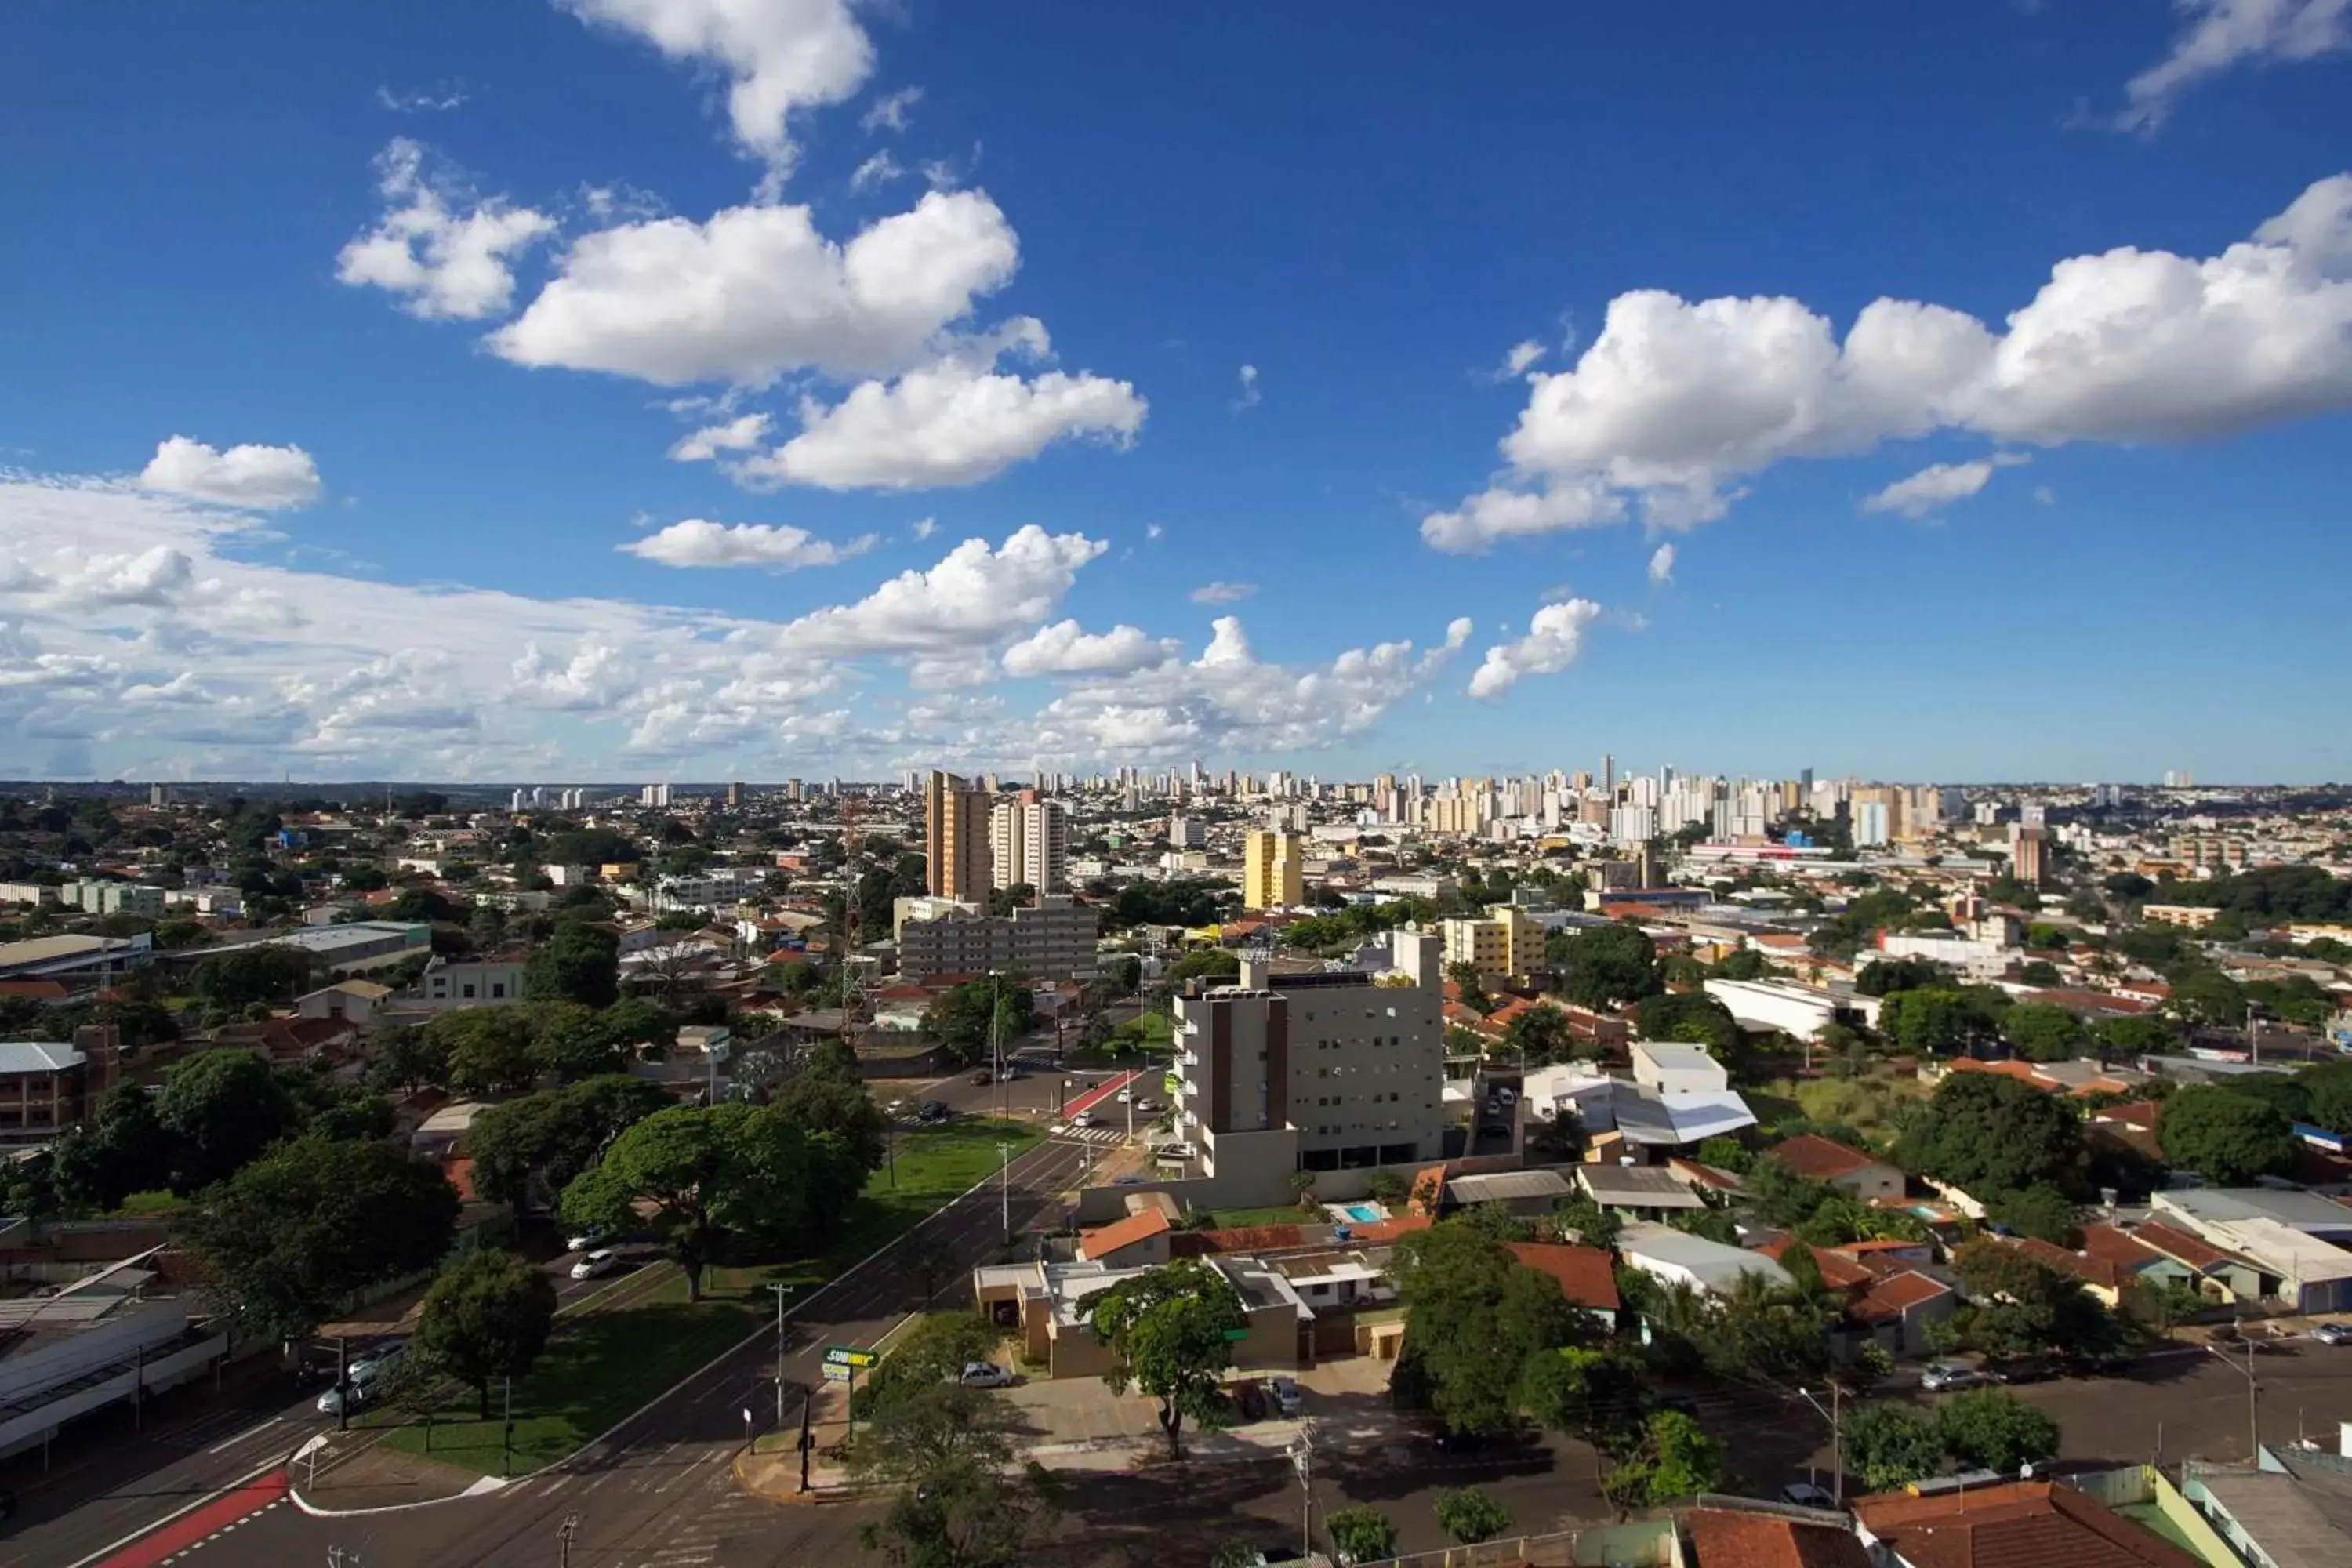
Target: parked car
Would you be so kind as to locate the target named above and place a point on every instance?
(1942, 1376)
(341, 1397)
(983, 1077)
(1250, 1399)
(985, 1374)
(933, 1110)
(1085, 1119)
(1288, 1398)
(375, 1360)
(2023, 1372)
(602, 1261)
(585, 1239)
(895, 1108)
(2333, 1334)
(1805, 1494)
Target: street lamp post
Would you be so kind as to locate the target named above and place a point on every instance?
(781, 1291)
(1005, 1167)
(2254, 1423)
(1834, 1416)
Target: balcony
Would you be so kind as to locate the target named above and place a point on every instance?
(1190, 1059)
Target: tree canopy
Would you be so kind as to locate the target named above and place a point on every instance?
(1986, 1134)
(270, 973)
(2226, 1137)
(290, 1238)
(1168, 1326)
(579, 962)
(1604, 966)
(1475, 1318)
(535, 1146)
(487, 1316)
(221, 1108)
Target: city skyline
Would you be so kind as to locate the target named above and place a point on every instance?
(639, 391)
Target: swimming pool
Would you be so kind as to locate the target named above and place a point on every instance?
(1362, 1214)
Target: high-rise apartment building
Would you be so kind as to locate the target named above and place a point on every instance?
(2027, 846)
(1503, 944)
(1315, 1072)
(955, 839)
(1029, 841)
(1273, 872)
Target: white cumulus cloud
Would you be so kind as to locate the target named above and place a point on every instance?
(755, 292)
(976, 596)
(877, 170)
(1063, 648)
(447, 256)
(1247, 397)
(889, 112)
(269, 477)
(2221, 34)
(1662, 565)
(1675, 404)
(1555, 638)
(952, 423)
(1937, 486)
(696, 541)
(738, 435)
(780, 57)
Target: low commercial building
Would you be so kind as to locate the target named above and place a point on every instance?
(101, 897)
(1051, 940)
(2297, 1241)
(1046, 1303)
(359, 948)
(492, 981)
(1798, 1011)
(120, 1334)
(43, 1088)
(1671, 1068)
(1644, 1191)
(75, 960)
(1677, 1257)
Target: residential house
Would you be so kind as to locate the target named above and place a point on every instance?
(1672, 1070)
(1742, 1538)
(2007, 1526)
(1899, 1308)
(490, 979)
(355, 1002)
(2218, 1275)
(1641, 1192)
(1822, 1159)
(1138, 1241)
(1677, 1257)
(1525, 1192)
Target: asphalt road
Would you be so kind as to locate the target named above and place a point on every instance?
(659, 1491)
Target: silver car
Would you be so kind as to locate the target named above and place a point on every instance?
(1942, 1376)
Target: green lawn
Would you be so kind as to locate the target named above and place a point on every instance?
(591, 1377)
(602, 1364)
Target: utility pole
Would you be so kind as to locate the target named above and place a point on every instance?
(1302, 1459)
(1004, 1187)
(506, 1441)
(2253, 1424)
(780, 1290)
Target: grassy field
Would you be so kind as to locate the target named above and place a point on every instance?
(605, 1362)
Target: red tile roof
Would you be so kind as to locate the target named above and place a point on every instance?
(2022, 1524)
(1585, 1274)
(1895, 1295)
(2116, 1246)
(1104, 1240)
(1390, 1228)
(1724, 1537)
(2180, 1246)
(1837, 1273)
(1824, 1159)
(2091, 1270)
(34, 990)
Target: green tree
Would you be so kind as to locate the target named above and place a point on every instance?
(1540, 1035)
(1578, 1218)
(1936, 1021)
(1885, 976)
(237, 979)
(489, 1048)
(1605, 966)
(1675, 1461)
(1168, 1326)
(2018, 1306)
(580, 963)
(2329, 1087)
(1987, 1133)
(570, 1040)
(123, 1149)
(968, 1515)
(487, 1316)
(1888, 1446)
(2134, 1035)
(1361, 1533)
(716, 1174)
(826, 1095)
(1697, 1019)
(1597, 1394)
(2041, 1211)
(1994, 1429)
(2206, 996)
(351, 1112)
(536, 1145)
(1474, 1317)
(968, 1019)
(408, 1059)
(1469, 1516)
(289, 1238)
(927, 1355)
(2225, 1137)
(221, 1109)
(2041, 1033)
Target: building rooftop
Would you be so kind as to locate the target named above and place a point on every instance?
(1713, 1264)
(1506, 1186)
(2235, 1205)
(1637, 1186)
(2279, 1513)
(1675, 1056)
(1104, 1240)
(1688, 1119)
(1822, 1159)
(2020, 1524)
(1735, 1538)
(325, 941)
(1585, 1274)
(18, 1056)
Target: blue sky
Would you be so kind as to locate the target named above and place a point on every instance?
(351, 360)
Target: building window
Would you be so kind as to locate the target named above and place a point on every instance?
(467, 990)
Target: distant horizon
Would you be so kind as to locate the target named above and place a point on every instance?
(698, 786)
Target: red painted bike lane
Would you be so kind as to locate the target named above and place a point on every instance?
(200, 1524)
(1096, 1096)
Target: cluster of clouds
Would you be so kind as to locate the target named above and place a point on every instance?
(2222, 33)
(140, 621)
(758, 294)
(1676, 404)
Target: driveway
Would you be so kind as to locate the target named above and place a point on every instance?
(1347, 1399)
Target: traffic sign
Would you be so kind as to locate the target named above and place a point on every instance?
(849, 1355)
(836, 1373)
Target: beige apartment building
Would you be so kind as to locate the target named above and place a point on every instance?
(1316, 1072)
(1029, 842)
(1051, 940)
(1273, 870)
(955, 839)
(1503, 944)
